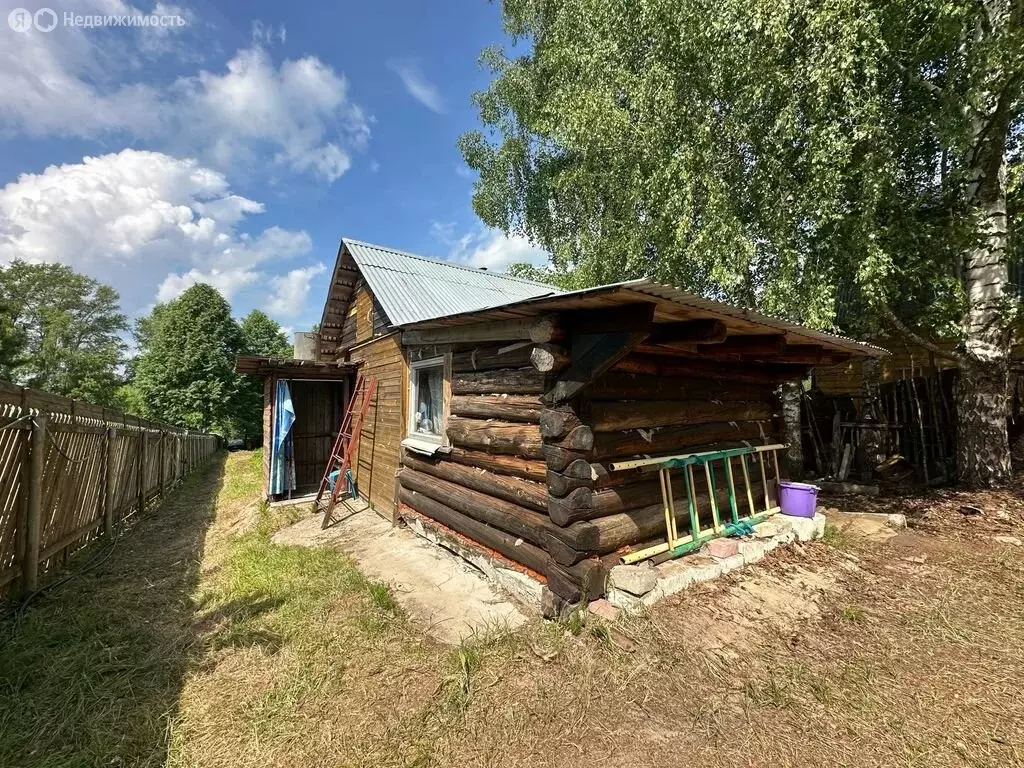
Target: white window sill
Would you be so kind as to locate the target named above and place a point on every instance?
(422, 445)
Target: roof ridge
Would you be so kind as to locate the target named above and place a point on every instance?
(453, 265)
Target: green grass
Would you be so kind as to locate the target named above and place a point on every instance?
(836, 537)
(853, 613)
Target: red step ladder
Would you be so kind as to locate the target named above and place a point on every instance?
(346, 443)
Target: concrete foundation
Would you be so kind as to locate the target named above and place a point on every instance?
(676, 575)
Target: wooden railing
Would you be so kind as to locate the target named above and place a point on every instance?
(71, 472)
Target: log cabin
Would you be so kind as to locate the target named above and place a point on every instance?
(504, 406)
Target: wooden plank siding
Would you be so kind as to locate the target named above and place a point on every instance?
(377, 457)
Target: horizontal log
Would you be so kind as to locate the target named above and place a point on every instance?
(508, 465)
(496, 437)
(549, 358)
(509, 381)
(540, 329)
(513, 489)
(563, 544)
(570, 581)
(705, 331)
(516, 355)
(558, 422)
(616, 385)
(510, 545)
(525, 408)
(595, 475)
(617, 416)
(587, 503)
(745, 373)
(664, 440)
(558, 458)
(608, 534)
(499, 513)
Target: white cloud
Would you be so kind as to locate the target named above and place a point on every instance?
(143, 222)
(417, 84)
(292, 290)
(228, 282)
(300, 110)
(490, 248)
(93, 84)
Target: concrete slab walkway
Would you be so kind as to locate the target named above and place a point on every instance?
(449, 598)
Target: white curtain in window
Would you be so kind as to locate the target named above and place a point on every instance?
(429, 400)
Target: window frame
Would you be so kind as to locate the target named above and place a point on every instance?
(440, 441)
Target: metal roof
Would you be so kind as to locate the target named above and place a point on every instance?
(411, 288)
(691, 305)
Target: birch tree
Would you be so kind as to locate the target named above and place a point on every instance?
(846, 164)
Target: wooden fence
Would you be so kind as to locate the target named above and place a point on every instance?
(71, 472)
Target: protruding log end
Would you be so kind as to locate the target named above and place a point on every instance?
(556, 423)
(548, 358)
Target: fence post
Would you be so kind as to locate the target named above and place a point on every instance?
(142, 470)
(163, 456)
(34, 521)
(108, 485)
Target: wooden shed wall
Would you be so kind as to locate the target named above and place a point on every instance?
(377, 457)
(906, 362)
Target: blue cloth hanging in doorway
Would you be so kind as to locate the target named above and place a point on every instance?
(282, 463)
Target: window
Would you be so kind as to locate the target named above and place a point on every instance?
(426, 409)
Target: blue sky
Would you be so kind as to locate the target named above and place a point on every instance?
(238, 144)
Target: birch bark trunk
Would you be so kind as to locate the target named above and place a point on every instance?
(983, 450)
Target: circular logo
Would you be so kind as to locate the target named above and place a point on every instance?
(46, 19)
(20, 20)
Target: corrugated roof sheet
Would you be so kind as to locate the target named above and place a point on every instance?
(411, 288)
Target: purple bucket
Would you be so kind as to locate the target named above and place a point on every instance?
(798, 499)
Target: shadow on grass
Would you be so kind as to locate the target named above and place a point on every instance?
(92, 673)
(232, 625)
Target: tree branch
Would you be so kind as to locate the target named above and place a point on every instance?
(890, 317)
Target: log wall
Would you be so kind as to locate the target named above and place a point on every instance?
(532, 482)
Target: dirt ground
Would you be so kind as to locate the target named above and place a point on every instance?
(203, 643)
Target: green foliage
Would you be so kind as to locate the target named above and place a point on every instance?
(12, 340)
(185, 373)
(61, 331)
(261, 336)
(538, 274)
(807, 159)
